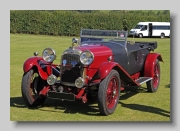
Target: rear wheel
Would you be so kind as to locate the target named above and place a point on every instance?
(108, 93)
(152, 85)
(30, 88)
(162, 35)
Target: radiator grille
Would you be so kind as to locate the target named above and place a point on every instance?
(70, 74)
(70, 58)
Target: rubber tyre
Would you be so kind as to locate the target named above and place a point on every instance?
(140, 36)
(107, 96)
(152, 85)
(29, 94)
(162, 35)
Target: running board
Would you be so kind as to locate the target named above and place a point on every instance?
(143, 80)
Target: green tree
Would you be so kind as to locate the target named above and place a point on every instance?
(125, 24)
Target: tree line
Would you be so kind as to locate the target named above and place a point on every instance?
(69, 23)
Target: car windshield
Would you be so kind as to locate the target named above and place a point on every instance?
(103, 35)
(138, 26)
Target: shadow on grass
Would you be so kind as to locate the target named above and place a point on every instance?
(74, 107)
(167, 86)
(89, 108)
(129, 93)
(71, 107)
(17, 102)
(145, 108)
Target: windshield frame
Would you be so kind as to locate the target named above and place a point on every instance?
(117, 36)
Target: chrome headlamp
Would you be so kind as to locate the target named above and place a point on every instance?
(49, 55)
(79, 82)
(86, 57)
(51, 80)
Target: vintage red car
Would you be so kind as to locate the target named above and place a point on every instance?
(99, 65)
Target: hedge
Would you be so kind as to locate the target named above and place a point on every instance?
(69, 23)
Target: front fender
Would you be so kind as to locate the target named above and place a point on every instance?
(30, 62)
(43, 70)
(150, 62)
(105, 69)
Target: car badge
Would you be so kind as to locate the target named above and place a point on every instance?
(72, 51)
(73, 63)
(64, 62)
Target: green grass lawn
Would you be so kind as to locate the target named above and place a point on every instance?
(133, 105)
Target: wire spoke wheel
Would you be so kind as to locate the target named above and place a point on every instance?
(112, 93)
(156, 75)
(30, 88)
(108, 93)
(152, 85)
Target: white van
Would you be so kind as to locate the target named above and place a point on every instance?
(151, 29)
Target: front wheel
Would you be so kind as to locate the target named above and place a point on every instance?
(108, 93)
(30, 88)
(152, 85)
(140, 35)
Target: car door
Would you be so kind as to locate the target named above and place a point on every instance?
(144, 30)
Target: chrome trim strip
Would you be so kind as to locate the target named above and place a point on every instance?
(68, 84)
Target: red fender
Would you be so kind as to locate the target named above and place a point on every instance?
(106, 67)
(33, 61)
(149, 64)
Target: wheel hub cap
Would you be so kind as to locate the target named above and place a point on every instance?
(114, 93)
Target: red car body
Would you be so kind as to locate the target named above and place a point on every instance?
(95, 69)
